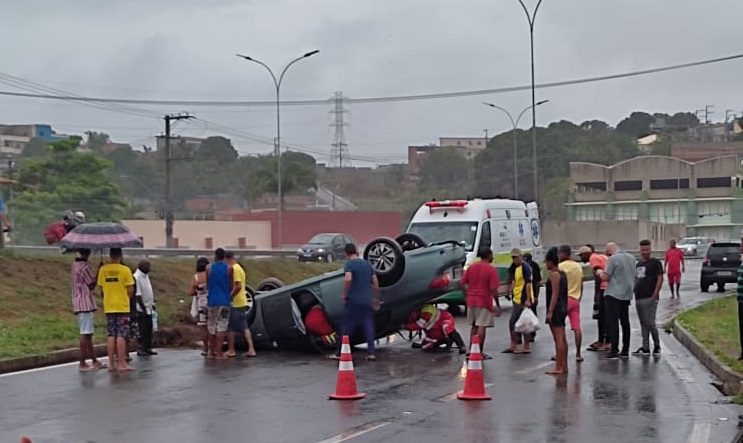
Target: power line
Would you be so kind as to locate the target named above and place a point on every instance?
(383, 99)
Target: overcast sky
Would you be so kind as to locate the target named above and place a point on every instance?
(184, 49)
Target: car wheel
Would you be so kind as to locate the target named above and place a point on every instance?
(330, 258)
(455, 310)
(704, 286)
(386, 257)
(721, 287)
(269, 284)
(410, 242)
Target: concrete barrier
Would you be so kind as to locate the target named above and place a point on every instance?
(48, 359)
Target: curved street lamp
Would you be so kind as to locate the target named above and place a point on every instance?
(515, 124)
(277, 148)
(531, 17)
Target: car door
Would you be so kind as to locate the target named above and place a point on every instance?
(339, 245)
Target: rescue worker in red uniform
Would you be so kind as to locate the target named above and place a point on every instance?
(316, 320)
(439, 327)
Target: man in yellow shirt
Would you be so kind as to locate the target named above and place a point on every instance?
(239, 310)
(574, 273)
(117, 285)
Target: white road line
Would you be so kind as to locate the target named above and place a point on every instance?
(535, 368)
(44, 368)
(700, 432)
(357, 431)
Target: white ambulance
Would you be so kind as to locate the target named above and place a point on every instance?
(498, 223)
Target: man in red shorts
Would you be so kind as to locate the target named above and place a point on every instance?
(674, 266)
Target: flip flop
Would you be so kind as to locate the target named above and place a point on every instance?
(86, 368)
(523, 351)
(487, 357)
(579, 359)
(508, 351)
(249, 355)
(556, 372)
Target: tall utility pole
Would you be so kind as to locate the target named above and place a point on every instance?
(531, 17)
(169, 219)
(707, 112)
(339, 146)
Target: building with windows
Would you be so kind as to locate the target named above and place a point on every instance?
(705, 197)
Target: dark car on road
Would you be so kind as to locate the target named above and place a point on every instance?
(720, 265)
(325, 248)
(410, 275)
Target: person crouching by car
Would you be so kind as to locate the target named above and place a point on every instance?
(439, 327)
(316, 321)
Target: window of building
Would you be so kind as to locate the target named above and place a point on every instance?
(669, 183)
(591, 187)
(626, 212)
(714, 182)
(628, 185)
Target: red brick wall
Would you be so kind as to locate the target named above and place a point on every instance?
(300, 226)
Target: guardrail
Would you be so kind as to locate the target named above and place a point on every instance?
(166, 252)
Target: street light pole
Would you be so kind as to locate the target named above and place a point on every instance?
(530, 18)
(277, 145)
(515, 124)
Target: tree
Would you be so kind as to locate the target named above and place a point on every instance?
(36, 147)
(445, 169)
(636, 125)
(684, 119)
(218, 150)
(298, 174)
(96, 140)
(63, 180)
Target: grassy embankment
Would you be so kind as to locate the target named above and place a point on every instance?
(715, 325)
(36, 311)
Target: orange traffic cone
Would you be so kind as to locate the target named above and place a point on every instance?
(345, 387)
(474, 382)
(25, 439)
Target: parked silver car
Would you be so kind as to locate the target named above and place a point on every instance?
(695, 246)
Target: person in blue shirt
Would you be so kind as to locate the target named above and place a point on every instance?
(3, 217)
(360, 296)
(220, 293)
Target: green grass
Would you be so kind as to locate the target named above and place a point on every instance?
(715, 325)
(36, 311)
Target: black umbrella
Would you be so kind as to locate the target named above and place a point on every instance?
(99, 236)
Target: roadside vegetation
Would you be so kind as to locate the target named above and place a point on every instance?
(36, 314)
(715, 325)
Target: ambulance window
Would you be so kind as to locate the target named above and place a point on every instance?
(486, 237)
(508, 214)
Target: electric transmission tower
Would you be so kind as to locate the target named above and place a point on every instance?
(339, 153)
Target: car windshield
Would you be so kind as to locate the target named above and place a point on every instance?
(322, 239)
(723, 250)
(446, 231)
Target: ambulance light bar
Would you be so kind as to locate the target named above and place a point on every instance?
(456, 204)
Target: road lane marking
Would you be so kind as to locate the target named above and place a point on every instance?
(43, 368)
(453, 396)
(527, 370)
(357, 431)
(700, 433)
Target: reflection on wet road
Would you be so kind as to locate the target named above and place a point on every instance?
(281, 397)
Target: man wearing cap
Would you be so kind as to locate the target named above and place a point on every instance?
(597, 262)
(520, 281)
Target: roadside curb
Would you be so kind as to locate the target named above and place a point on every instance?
(41, 360)
(731, 380)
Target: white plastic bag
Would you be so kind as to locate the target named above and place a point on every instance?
(527, 322)
(194, 308)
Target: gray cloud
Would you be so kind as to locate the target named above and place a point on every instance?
(185, 49)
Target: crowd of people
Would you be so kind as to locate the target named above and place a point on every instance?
(220, 307)
(221, 303)
(618, 278)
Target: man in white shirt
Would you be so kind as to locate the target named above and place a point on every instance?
(145, 302)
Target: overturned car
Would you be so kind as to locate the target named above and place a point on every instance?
(410, 274)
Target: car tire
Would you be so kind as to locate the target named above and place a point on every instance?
(721, 287)
(269, 284)
(455, 310)
(410, 242)
(387, 258)
(704, 286)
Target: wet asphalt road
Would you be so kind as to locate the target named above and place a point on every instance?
(281, 397)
